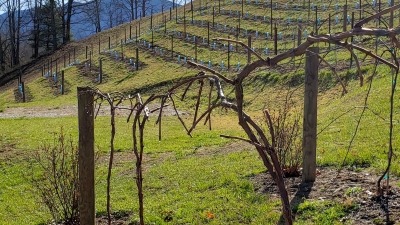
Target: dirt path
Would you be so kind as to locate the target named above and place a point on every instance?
(53, 112)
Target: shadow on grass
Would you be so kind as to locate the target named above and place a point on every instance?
(301, 195)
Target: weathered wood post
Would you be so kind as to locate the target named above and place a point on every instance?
(242, 7)
(229, 55)
(86, 156)
(344, 18)
(137, 58)
(248, 52)
(316, 19)
(310, 115)
(270, 18)
(195, 48)
(62, 83)
(351, 39)
(391, 15)
(23, 91)
(275, 40)
(109, 42)
(100, 70)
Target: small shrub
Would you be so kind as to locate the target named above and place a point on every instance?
(284, 128)
(55, 179)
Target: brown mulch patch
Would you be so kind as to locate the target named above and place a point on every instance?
(359, 187)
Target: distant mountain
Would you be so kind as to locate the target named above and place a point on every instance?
(112, 15)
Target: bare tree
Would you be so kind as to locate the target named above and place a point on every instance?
(14, 27)
(93, 10)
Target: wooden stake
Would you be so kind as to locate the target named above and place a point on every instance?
(249, 52)
(137, 58)
(344, 18)
(195, 48)
(100, 71)
(310, 115)
(23, 91)
(276, 40)
(86, 156)
(62, 82)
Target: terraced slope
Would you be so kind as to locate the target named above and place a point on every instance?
(207, 179)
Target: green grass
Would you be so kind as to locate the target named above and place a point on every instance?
(199, 180)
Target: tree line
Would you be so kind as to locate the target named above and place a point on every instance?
(30, 27)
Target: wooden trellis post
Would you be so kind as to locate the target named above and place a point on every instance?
(86, 156)
(62, 83)
(101, 70)
(248, 52)
(310, 115)
(344, 18)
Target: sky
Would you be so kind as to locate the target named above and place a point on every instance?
(2, 8)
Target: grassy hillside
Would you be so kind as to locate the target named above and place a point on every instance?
(204, 179)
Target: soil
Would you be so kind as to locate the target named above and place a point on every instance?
(358, 188)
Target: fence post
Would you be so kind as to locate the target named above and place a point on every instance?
(109, 42)
(249, 52)
(62, 82)
(344, 18)
(229, 55)
(86, 156)
(137, 59)
(100, 71)
(23, 91)
(276, 40)
(316, 19)
(195, 49)
(391, 15)
(270, 19)
(99, 45)
(243, 6)
(310, 115)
